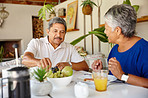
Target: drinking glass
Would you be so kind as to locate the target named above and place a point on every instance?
(100, 79)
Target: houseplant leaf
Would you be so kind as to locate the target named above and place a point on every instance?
(43, 10)
(102, 36)
(136, 7)
(101, 29)
(93, 3)
(49, 7)
(99, 32)
(78, 39)
(87, 7)
(42, 13)
(127, 2)
(88, 2)
(40, 74)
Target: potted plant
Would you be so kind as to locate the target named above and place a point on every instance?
(52, 14)
(40, 86)
(46, 8)
(87, 7)
(99, 32)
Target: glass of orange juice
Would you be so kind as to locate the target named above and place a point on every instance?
(100, 79)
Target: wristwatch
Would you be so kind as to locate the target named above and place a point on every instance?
(124, 77)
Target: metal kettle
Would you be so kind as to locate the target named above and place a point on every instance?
(18, 83)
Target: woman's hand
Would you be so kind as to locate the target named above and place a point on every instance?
(115, 67)
(97, 65)
(61, 65)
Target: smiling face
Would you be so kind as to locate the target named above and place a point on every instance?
(56, 34)
(113, 35)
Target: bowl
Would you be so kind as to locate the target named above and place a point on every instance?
(60, 82)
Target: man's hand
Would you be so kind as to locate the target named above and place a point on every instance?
(115, 67)
(61, 65)
(97, 65)
(45, 63)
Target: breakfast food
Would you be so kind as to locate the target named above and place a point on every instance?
(54, 72)
(67, 71)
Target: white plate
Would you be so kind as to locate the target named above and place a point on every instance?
(111, 78)
(89, 82)
(81, 75)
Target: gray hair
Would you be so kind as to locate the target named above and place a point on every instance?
(123, 16)
(57, 20)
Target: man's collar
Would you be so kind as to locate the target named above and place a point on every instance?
(62, 45)
(46, 39)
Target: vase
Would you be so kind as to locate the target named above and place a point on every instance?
(41, 88)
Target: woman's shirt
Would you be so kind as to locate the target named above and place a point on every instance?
(135, 60)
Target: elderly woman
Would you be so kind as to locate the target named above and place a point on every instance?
(128, 59)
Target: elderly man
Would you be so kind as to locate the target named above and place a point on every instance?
(128, 59)
(52, 51)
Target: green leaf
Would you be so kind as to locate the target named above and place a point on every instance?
(82, 4)
(88, 2)
(101, 29)
(127, 2)
(93, 3)
(39, 74)
(136, 7)
(79, 39)
(40, 11)
(49, 7)
(97, 32)
(101, 38)
(43, 10)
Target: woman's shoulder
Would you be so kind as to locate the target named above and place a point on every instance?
(115, 47)
(142, 43)
(140, 47)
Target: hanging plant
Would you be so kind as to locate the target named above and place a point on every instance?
(99, 32)
(87, 7)
(46, 8)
